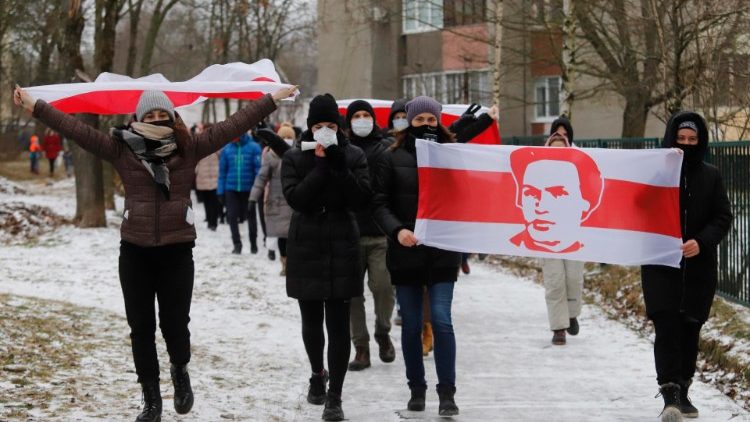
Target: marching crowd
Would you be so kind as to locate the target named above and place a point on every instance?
(339, 199)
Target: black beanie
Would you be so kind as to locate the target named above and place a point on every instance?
(397, 106)
(323, 108)
(359, 105)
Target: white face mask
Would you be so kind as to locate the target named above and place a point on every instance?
(325, 136)
(362, 126)
(400, 124)
(289, 141)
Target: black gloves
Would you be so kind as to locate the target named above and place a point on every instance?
(336, 158)
(278, 145)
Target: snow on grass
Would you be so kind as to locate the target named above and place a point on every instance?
(249, 362)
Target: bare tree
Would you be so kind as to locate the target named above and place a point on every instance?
(159, 12)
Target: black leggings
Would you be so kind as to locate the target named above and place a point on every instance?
(164, 273)
(339, 347)
(675, 346)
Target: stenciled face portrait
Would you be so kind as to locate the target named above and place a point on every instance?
(552, 203)
(553, 197)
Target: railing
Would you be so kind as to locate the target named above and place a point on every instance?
(733, 161)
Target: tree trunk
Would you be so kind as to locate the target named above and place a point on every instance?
(135, 18)
(89, 187)
(634, 117)
(497, 65)
(149, 43)
(569, 30)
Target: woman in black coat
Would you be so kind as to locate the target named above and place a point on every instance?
(414, 266)
(324, 185)
(678, 300)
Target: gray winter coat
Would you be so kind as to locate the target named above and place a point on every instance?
(277, 212)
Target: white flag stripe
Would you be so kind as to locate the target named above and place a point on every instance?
(452, 109)
(653, 164)
(621, 247)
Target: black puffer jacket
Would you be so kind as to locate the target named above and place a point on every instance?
(396, 191)
(706, 217)
(374, 146)
(323, 246)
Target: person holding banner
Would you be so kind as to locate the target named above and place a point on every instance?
(678, 300)
(156, 158)
(325, 181)
(414, 266)
(365, 134)
(563, 278)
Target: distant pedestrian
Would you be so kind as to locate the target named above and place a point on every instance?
(52, 146)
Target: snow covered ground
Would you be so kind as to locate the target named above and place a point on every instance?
(249, 363)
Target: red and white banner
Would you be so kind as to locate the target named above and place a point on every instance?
(596, 205)
(450, 113)
(111, 93)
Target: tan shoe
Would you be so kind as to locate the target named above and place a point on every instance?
(426, 339)
(361, 359)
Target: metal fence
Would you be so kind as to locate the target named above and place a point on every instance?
(733, 160)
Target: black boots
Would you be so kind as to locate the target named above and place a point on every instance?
(237, 249)
(447, 403)
(317, 392)
(671, 394)
(361, 359)
(416, 402)
(332, 410)
(385, 348)
(574, 328)
(687, 408)
(151, 402)
(183, 392)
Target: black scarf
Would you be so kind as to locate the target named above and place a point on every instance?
(152, 144)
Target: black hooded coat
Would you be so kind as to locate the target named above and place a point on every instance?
(706, 216)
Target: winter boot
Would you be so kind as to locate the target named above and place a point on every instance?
(253, 247)
(446, 393)
(317, 392)
(558, 337)
(151, 402)
(237, 248)
(332, 410)
(271, 255)
(573, 328)
(416, 402)
(671, 394)
(283, 266)
(465, 267)
(686, 407)
(426, 339)
(361, 359)
(183, 392)
(385, 348)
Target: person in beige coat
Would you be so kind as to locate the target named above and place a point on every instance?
(206, 180)
(563, 278)
(267, 188)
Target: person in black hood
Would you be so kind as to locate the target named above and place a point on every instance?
(678, 300)
(364, 133)
(397, 117)
(325, 181)
(564, 123)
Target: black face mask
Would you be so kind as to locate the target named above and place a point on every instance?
(166, 123)
(693, 153)
(430, 133)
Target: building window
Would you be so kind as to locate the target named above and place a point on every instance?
(547, 97)
(422, 15)
(544, 12)
(464, 12)
(451, 87)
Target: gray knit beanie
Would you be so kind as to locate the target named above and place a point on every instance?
(153, 100)
(421, 105)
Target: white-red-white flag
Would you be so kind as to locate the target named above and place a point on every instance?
(111, 93)
(449, 114)
(596, 205)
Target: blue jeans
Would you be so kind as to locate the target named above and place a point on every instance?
(410, 302)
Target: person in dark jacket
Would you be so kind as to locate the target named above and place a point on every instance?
(678, 300)
(239, 164)
(397, 118)
(364, 133)
(156, 158)
(414, 266)
(325, 186)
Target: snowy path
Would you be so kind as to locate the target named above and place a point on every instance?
(249, 362)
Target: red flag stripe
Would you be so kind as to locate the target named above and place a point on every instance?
(489, 197)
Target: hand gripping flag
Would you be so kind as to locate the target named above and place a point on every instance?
(597, 205)
(111, 93)
(450, 113)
